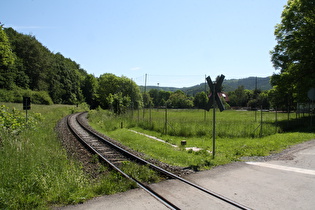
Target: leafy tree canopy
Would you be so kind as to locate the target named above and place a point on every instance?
(113, 89)
(6, 61)
(294, 54)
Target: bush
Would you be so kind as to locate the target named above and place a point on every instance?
(16, 96)
(41, 97)
(14, 121)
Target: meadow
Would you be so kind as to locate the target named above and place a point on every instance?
(238, 134)
(35, 171)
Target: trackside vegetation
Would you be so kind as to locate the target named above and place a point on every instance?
(35, 172)
(239, 134)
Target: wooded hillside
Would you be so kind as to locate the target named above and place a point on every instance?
(27, 68)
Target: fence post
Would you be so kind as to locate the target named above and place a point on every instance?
(276, 119)
(261, 121)
(165, 126)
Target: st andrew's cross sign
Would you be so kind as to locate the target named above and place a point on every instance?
(214, 95)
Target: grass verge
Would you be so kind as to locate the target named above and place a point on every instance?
(35, 172)
(228, 148)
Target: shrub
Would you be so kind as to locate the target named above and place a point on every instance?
(14, 121)
(41, 97)
(16, 96)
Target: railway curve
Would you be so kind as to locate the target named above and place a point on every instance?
(113, 154)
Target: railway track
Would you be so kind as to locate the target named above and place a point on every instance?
(114, 155)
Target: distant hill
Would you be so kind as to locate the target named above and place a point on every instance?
(263, 83)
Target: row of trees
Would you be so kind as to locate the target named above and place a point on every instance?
(178, 99)
(161, 98)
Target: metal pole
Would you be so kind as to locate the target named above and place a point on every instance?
(276, 119)
(145, 90)
(261, 118)
(213, 124)
(205, 111)
(311, 114)
(145, 83)
(166, 120)
(150, 115)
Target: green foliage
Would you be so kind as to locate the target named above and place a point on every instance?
(294, 53)
(239, 97)
(38, 69)
(254, 99)
(179, 100)
(89, 90)
(118, 90)
(118, 103)
(35, 172)
(159, 97)
(14, 121)
(40, 97)
(16, 96)
(147, 100)
(65, 81)
(201, 100)
(6, 61)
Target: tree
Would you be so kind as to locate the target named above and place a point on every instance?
(294, 54)
(147, 100)
(6, 61)
(118, 103)
(25, 63)
(239, 97)
(112, 84)
(201, 100)
(154, 95)
(36, 60)
(180, 100)
(64, 81)
(159, 97)
(89, 88)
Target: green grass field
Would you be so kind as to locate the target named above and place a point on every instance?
(238, 134)
(35, 172)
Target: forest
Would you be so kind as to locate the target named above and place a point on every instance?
(27, 68)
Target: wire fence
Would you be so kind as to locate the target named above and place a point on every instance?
(229, 124)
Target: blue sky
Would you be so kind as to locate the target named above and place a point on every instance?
(175, 42)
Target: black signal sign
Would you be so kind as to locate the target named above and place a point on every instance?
(214, 95)
(26, 103)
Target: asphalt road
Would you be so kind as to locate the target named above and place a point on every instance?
(285, 181)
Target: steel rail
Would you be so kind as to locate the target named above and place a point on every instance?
(141, 185)
(163, 171)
